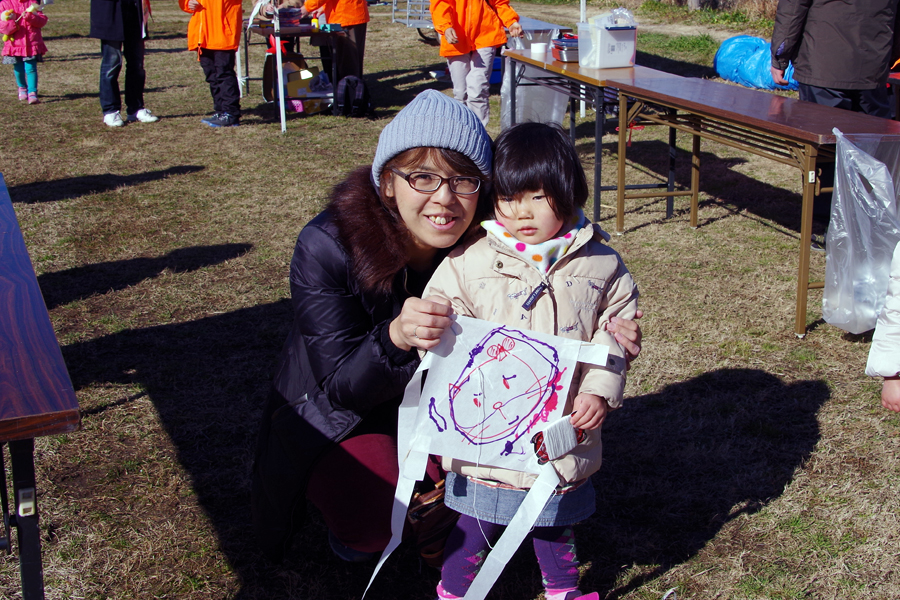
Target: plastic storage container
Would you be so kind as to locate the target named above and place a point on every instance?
(606, 47)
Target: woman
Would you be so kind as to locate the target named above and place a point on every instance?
(329, 430)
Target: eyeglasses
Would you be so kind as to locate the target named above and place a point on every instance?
(430, 182)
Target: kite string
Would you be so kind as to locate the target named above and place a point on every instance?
(478, 463)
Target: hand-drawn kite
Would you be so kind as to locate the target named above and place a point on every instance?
(529, 371)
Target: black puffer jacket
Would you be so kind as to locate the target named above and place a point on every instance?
(838, 44)
(348, 282)
(116, 20)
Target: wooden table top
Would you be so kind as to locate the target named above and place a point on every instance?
(36, 394)
(594, 77)
(788, 117)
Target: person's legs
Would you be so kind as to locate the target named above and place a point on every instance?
(478, 83)
(21, 81)
(554, 548)
(366, 462)
(110, 66)
(459, 67)
(218, 67)
(349, 51)
(467, 547)
(31, 80)
(826, 96)
(207, 63)
(31, 76)
(876, 102)
(357, 35)
(228, 91)
(135, 76)
(133, 49)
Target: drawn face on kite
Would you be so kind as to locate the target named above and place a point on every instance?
(521, 393)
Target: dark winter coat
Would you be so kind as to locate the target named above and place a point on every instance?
(348, 282)
(113, 20)
(838, 44)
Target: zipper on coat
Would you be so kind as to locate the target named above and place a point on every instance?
(533, 297)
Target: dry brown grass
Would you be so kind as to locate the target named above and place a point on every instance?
(747, 464)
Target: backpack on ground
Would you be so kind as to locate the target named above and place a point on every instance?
(352, 98)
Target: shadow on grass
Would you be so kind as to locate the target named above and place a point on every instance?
(718, 179)
(680, 463)
(208, 380)
(399, 87)
(73, 187)
(67, 286)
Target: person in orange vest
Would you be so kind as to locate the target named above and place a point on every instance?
(471, 31)
(215, 32)
(353, 17)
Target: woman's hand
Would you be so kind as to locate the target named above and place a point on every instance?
(193, 5)
(628, 334)
(516, 30)
(589, 411)
(421, 323)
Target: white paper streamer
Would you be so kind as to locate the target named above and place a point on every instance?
(412, 465)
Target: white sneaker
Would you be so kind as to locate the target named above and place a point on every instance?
(113, 119)
(144, 116)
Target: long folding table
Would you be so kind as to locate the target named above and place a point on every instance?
(36, 395)
(790, 131)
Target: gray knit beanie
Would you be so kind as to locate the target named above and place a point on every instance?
(435, 120)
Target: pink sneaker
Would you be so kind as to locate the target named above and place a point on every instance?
(23, 94)
(33, 99)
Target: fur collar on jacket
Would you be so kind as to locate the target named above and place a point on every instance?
(374, 236)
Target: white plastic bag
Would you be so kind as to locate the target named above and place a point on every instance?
(863, 231)
(533, 103)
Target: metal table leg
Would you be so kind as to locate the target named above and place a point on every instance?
(26, 519)
(599, 127)
(512, 91)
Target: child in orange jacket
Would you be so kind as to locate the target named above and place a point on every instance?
(471, 31)
(215, 33)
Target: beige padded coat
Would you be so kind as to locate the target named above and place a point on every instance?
(484, 279)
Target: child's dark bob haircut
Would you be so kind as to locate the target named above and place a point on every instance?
(534, 156)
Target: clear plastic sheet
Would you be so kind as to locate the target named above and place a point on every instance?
(533, 103)
(863, 231)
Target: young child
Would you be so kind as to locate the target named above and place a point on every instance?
(884, 355)
(544, 267)
(471, 31)
(20, 23)
(215, 33)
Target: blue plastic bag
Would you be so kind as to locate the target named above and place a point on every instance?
(746, 60)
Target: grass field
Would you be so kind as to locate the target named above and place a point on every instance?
(746, 464)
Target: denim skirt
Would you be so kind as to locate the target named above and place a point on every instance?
(499, 504)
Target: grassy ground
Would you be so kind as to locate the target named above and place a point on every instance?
(746, 464)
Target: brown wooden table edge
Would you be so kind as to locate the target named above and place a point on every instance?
(56, 423)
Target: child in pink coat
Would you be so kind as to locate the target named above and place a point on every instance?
(20, 23)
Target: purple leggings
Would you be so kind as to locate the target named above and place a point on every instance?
(467, 548)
